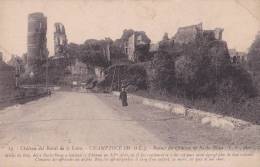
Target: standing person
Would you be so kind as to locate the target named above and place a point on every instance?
(123, 97)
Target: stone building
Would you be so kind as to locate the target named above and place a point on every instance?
(190, 34)
(137, 42)
(36, 43)
(60, 39)
(211, 35)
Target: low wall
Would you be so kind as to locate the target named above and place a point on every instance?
(214, 120)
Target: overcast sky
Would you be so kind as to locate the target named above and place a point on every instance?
(84, 19)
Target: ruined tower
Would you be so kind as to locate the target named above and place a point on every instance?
(218, 33)
(60, 39)
(36, 42)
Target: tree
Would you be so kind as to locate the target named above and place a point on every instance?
(18, 63)
(164, 72)
(254, 55)
(201, 67)
(91, 52)
(254, 59)
(185, 69)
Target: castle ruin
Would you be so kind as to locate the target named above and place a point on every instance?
(60, 39)
(192, 33)
(36, 42)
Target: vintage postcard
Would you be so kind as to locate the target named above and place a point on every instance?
(158, 83)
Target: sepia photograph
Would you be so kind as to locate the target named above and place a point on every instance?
(129, 83)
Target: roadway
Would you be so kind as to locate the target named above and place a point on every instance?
(94, 119)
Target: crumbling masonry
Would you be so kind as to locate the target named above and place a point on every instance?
(36, 42)
(60, 39)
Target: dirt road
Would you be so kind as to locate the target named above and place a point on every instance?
(93, 119)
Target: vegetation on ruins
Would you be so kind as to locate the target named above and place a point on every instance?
(90, 52)
(195, 70)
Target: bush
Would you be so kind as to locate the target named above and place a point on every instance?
(237, 84)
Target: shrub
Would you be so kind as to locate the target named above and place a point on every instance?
(237, 84)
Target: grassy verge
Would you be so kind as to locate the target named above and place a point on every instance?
(248, 110)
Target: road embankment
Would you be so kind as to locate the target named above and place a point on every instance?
(214, 120)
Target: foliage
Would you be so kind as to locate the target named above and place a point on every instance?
(116, 53)
(125, 74)
(237, 84)
(18, 63)
(194, 71)
(163, 71)
(200, 70)
(254, 60)
(254, 55)
(91, 52)
(136, 75)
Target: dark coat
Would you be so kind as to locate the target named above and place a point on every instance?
(123, 98)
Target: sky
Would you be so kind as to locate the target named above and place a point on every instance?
(86, 19)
